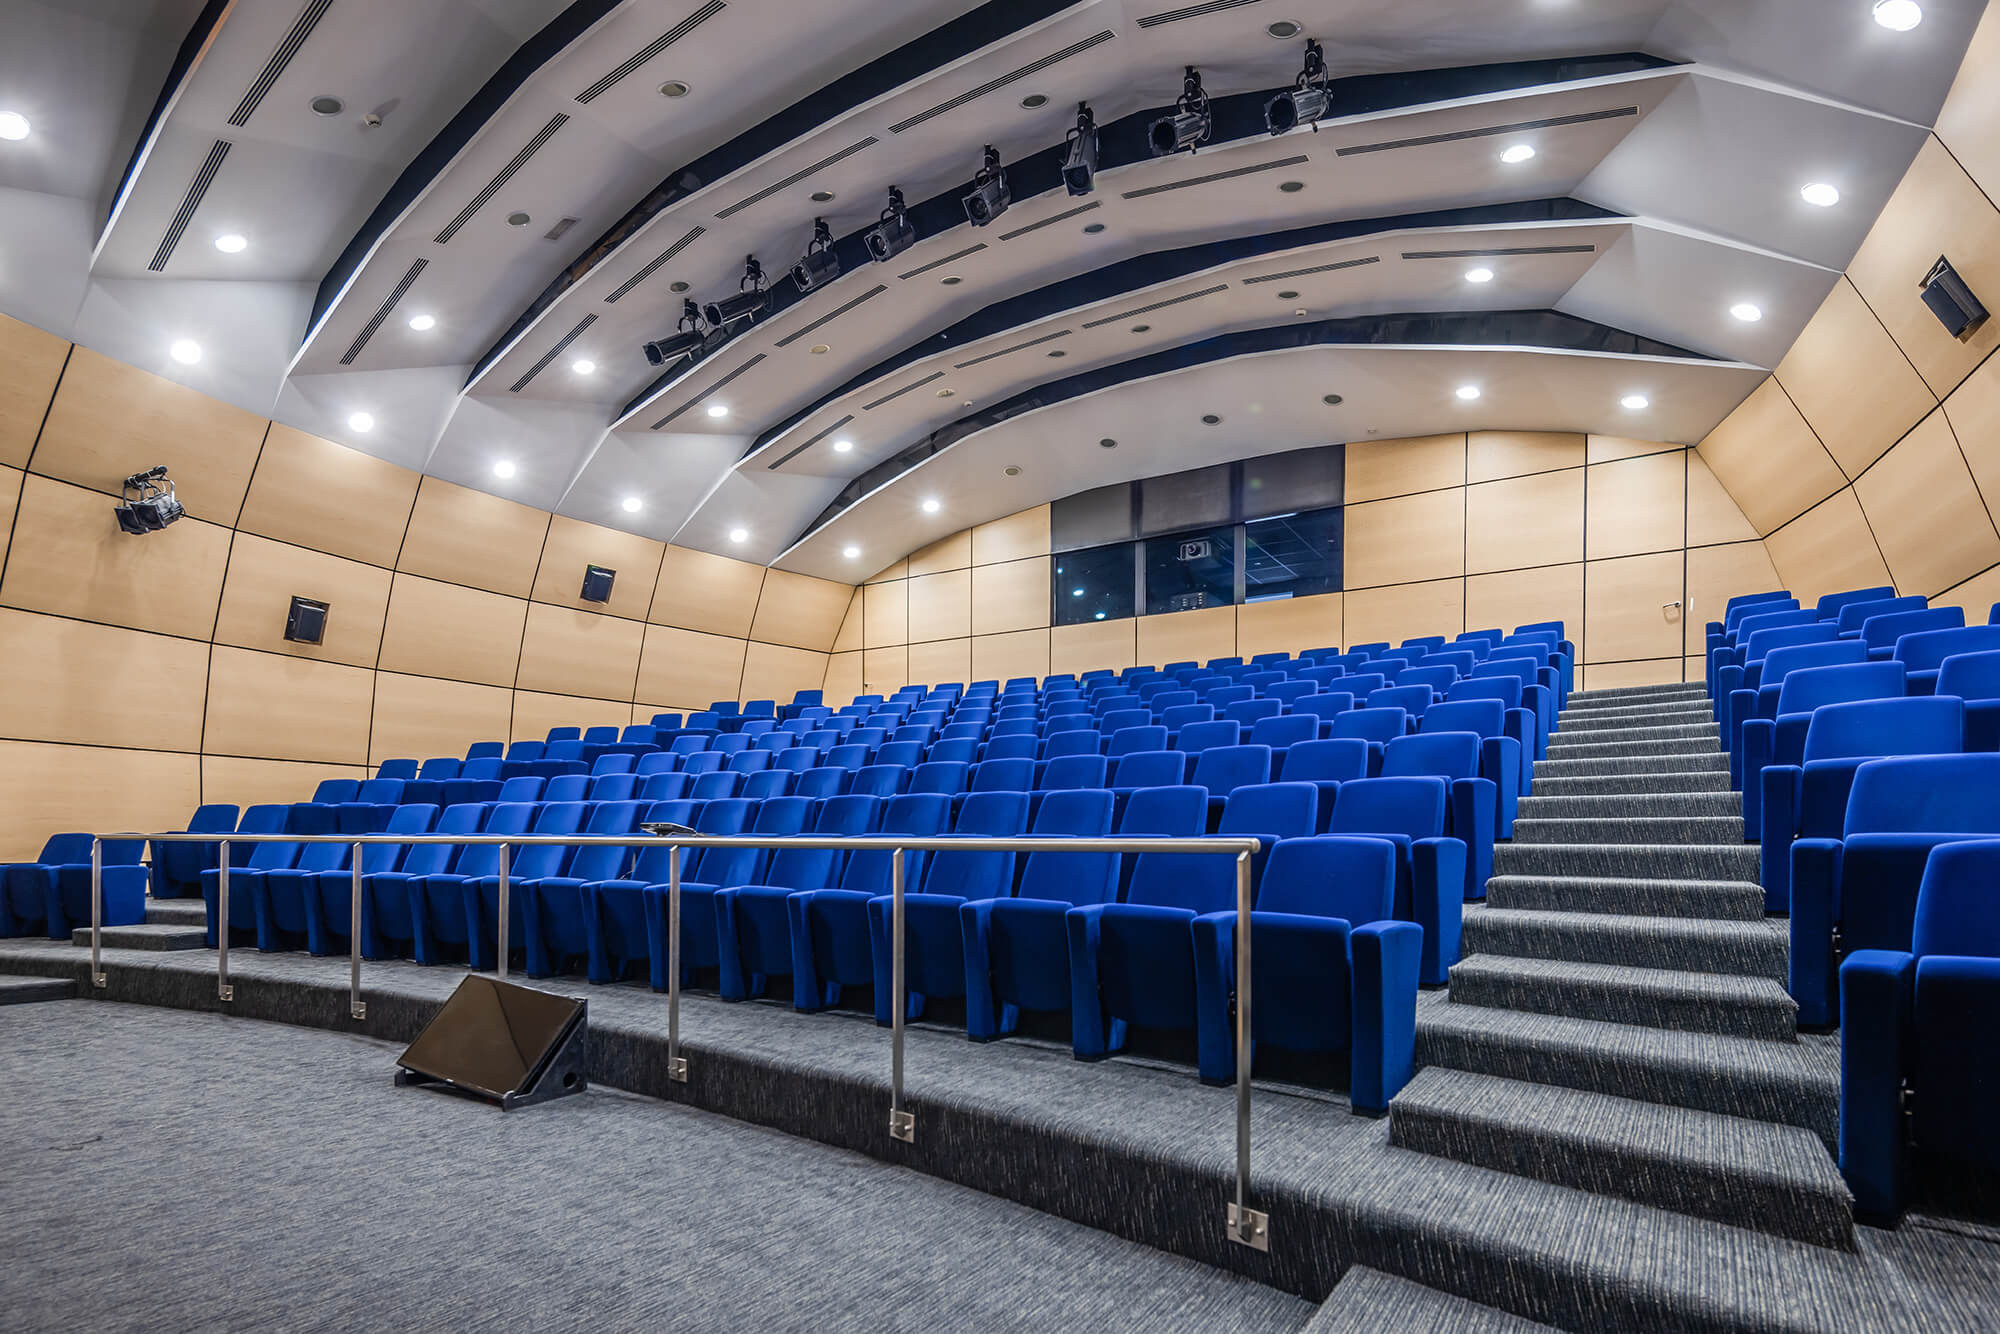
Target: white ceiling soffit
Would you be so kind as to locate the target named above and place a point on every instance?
(1269, 403)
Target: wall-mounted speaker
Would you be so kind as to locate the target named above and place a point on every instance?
(1957, 309)
(306, 622)
(509, 1044)
(597, 583)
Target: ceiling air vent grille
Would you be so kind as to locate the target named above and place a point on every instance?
(1551, 123)
(1212, 177)
(1157, 305)
(401, 290)
(555, 233)
(652, 266)
(302, 28)
(1018, 347)
(554, 352)
(773, 467)
(649, 50)
(1192, 12)
(504, 175)
(1514, 250)
(191, 201)
(1317, 268)
(717, 387)
(1001, 81)
(795, 178)
(834, 314)
(1050, 222)
(940, 263)
(898, 393)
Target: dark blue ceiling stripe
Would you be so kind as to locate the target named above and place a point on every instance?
(1236, 117)
(1143, 271)
(177, 74)
(1504, 328)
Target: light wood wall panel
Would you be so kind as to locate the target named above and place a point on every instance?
(941, 660)
(250, 782)
(1856, 416)
(1187, 636)
(843, 678)
(1977, 596)
(468, 537)
(69, 558)
(709, 593)
(999, 657)
(1377, 469)
(110, 420)
(1404, 611)
(1288, 625)
(1523, 521)
(800, 611)
(568, 652)
(1624, 619)
(690, 666)
(1092, 645)
(1713, 516)
(10, 499)
(777, 672)
(885, 614)
(1410, 539)
(1826, 550)
(68, 680)
(267, 706)
(1770, 460)
(1519, 597)
(1618, 675)
(947, 553)
(900, 570)
(573, 545)
(1925, 513)
(885, 670)
(1015, 537)
(1974, 413)
(535, 713)
(1717, 574)
(416, 717)
(1611, 448)
(1494, 454)
(47, 789)
(1972, 107)
(1637, 505)
(849, 637)
(257, 598)
(941, 606)
(451, 631)
(1013, 596)
(315, 493)
(31, 362)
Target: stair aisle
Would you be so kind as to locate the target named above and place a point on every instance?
(171, 924)
(1619, 1023)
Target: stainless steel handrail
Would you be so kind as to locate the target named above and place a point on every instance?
(1244, 1225)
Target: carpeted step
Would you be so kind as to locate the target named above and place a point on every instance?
(18, 990)
(1630, 805)
(1591, 747)
(1651, 829)
(151, 936)
(1579, 707)
(1368, 1301)
(1595, 699)
(1790, 1083)
(1647, 762)
(180, 912)
(1773, 1178)
(1637, 861)
(1758, 948)
(1636, 784)
(1598, 720)
(1715, 900)
(1724, 1003)
(1663, 735)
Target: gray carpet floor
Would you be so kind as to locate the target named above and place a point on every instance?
(175, 1171)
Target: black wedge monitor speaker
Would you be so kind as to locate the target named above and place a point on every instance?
(508, 1044)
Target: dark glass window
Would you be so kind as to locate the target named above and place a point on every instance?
(1092, 585)
(1292, 555)
(1191, 570)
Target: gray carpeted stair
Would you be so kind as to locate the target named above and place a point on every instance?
(1623, 805)
(1595, 720)
(1663, 736)
(150, 936)
(1625, 696)
(1755, 948)
(1589, 746)
(1647, 829)
(1600, 766)
(1640, 783)
(1731, 900)
(1749, 1007)
(179, 912)
(1368, 1301)
(1635, 860)
(17, 990)
(1712, 1166)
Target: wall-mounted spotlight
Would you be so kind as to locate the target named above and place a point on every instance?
(1951, 300)
(988, 198)
(149, 502)
(819, 265)
(1306, 101)
(690, 341)
(1080, 164)
(746, 305)
(893, 234)
(1190, 124)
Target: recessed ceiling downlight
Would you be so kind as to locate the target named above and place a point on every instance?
(13, 125)
(1107, 443)
(1479, 275)
(1468, 392)
(363, 422)
(185, 350)
(843, 446)
(503, 469)
(822, 196)
(1210, 419)
(423, 323)
(584, 366)
(1332, 400)
(231, 243)
(324, 105)
(852, 553)
(518, 219)
(1635, 402)
(631, 504)
(1820, 194)
(1012, 470)
(931, 505)
(674, 88)
(1517, 153)
(739, 535)
(1898, 15)
(1034, 101)
(1284, 30)
(1291, 187)
(1747, 312)
(718, 410)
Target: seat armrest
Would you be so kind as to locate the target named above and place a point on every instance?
(1878, 1001)
(1815, 888)
(1088, 1038)
(1778, 825)
(1437, 903)
(1385, 958)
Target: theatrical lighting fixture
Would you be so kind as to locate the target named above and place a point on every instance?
(746, 305)
(1190, 124)
(1305, 101)
(692, 340)
(149, 503)
(819, 265)
(1080, 163)
(893, 234)
(988, 198)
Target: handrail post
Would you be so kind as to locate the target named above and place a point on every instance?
(500, 932)
(1247, 1226)
(677, 1066)
(902, 1123)
(96, 912)
(356, 1007)
(223, 991)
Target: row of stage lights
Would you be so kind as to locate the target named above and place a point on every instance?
(703, 328)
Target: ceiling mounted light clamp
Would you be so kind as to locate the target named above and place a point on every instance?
(1307, 99)
(988, 198)
(748, 303)
(893, 233)
(819, 265)
(1189, 126)
(1080, 161)
(691, 341)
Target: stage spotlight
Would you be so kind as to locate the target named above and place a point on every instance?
(1080, 165)
(1306, 101)
(894, 234)
(690, 341)
(819, 265)
(149, 502)
(746, 305)
(988, 198)
(1190, 124)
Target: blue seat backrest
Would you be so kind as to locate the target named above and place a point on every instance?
(946, 776)
(1271, 810)
(437, 858)
(507, 817)
(1338, 760)
(1429, 678)
(1327, 704)
(1810, 687)
(335, 790)
(1506, 689)
(1177, 811)
(917, 815)
(1855, 614)
(1116, 720)
(732, 743)
(814, 868)
(1779, 662)
(1773, 620)
(395, 769)
(1926, 651)
(1350, 878)
(651, 866)
(1205, 736)
(822, 782)
(1016, 775)
(619, 763)
(379, 791)
(1829, 605)
(719, 785)
(985, 874)
(1222, 769)
(1151, 768)
(1130, 740)
(659, 762)
(1073, 877)
(524, 751)
(723, 866)
(1372, 724)
(544, 859)
(1971, 676)
(1922, 794)
(438, 768)
(481, 770)
(1288, 730)
(1413, 807)
(963, 751)
(1882, 632)
(525, 788)
(1186, 715)
(604, 862)
(1957, 910)
(267, 818)
(1484, 717)
(1438, 754)
(411, 819)
(768, 783)
(850, 756)
(1014, 747)
(1921, 725)
(1076, 741)
(1075, 771)
(614, 787)
(909, 754)
(567, 787)
(750, 761)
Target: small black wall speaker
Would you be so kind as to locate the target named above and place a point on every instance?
(597, 583)
(1957, 309)
(508, 1044)
(306, 622)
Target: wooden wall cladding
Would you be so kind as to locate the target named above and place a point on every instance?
(565, 651)
(1491, 455)
(1524, 521)
(74, 681)
(1637, 505)
(535, 713)
(1625, 612)
(1094, 645)
(689, 666)
(268, 706)
(451, 631)
(940, 605)
(467, 537)
(314, 493)
(885, 614)
(1288, 625)
(45, 789)
(249, 782)
(1409, 539)
(712, 594)
(1010, 596)
(31, 362)
(1016, 537)
(1857, 417)
(419, 716)
(265, 575)
(776, 673)
(1770, 460)
(1827, 549)
(940, 660)
(1002, 657)
(1925, 513)
(1378, 469)
(574, 545)
(799, 611)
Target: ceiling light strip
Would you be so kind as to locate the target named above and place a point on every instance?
(552, 353)
(649, 50)
(1551, 123)
(773, 467)
(191, 201)
(652, 266)
(898, 393)
(1488, 254)
(1018, 347)
(1050, 222)
(940, 263)
(302, 28)
(1192, 12)
(506, 174)
(1157, 305)
(1013, 76)
(1334, 267)
(795, 178)
(401, 290)
(1212, 177)
(717, 387)
(832, 315)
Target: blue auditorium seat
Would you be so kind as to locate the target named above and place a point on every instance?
(438, 925)
(822, 783)
(1856, 614)
(390, 896)
(263, 857)
(715, 869)
(1880, 633)
(832, 944)
(1430, 865)
(1073, 771)
(1333, 971)
(1975, 678)
(1115, 721)
(947, 776)
(1326, 764)
(1829, 606)
(554, 930)
(1075, 741)
(1223, 769)
(480, 895)
(177, 867)
(1474, 814)
(614, 763)
(1501, 757)
(1183, 716)
(1780, 738)
(396, 769)
(768, 783)
(1758, 697)
(1248, 712)
(614, 911)
(328, 895)
(753, 922)
(1923, 654)
(53, 895)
